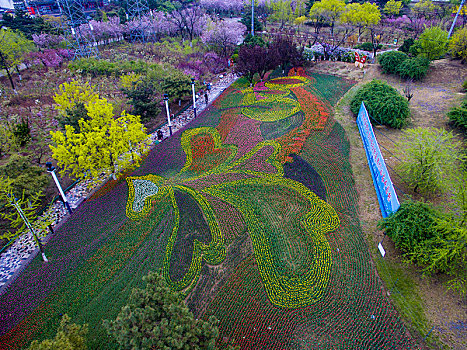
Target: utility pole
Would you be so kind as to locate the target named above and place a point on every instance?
(252, 17)
(455, 18)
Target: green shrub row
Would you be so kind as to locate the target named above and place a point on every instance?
(397, 62)
(96, 67)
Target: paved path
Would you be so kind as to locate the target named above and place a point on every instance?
(15, 259)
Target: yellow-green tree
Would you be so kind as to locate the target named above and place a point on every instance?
(392, 8)
(361, 15)
(457, 46)
(69, 94)
(329, 9)
(104, 142)
(13, 47)
(299, 21)
(22, 214)
(425, 8)
(71, 100)
(70, 336)
(282, 11)
(300, 9)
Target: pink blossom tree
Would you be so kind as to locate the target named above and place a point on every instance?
(47, 41)
(190, 21)
(224, 36)
(222, 6)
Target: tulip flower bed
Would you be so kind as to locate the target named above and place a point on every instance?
(250, 211)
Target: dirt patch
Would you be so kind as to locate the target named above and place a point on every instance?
(446, 311)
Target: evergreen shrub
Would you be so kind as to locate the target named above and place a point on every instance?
(384, 104)
(411, 225)
(458, 116)
(413, 68)
(391, 60)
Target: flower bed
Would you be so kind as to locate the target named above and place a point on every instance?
(260, 231)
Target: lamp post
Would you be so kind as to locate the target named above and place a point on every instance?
(194, 98)
(14, 202)
(51, 169)
(166, 100)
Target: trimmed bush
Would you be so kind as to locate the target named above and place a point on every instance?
(458, 116)
(411, 225)
(406, 45)
(384, 103)
(391, 60)
(413, 68)
(367, 47)
(431, 240)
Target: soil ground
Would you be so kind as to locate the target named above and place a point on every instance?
(445, 310)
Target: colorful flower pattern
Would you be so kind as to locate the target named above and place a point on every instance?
(233, 180)
(285, 286)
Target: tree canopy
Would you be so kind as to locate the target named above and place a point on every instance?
(158, 318)
(69, 336)
(103, 142)
(392, 8)
(433, 43)
(13, 47)
(331, 10)
(26, 24)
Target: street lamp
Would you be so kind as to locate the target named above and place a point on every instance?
(194, 98)
(166, 100)
(14, 202)
(51, 169)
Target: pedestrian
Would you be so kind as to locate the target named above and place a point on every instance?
(206, 98)
(209, 87)
(160, 135)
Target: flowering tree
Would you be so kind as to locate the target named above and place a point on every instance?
(47, 41)
(159, 25)
(51, 58)
(224, 6)
(224, 36)
(190, 21)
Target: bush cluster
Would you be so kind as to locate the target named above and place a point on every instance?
(458, 116)
(98, 67)
(367, 47)
(390, 61)
(411, 225)
(405, 47)
(430, 239)
(397, 62)
(413, 68)
(384, 104)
